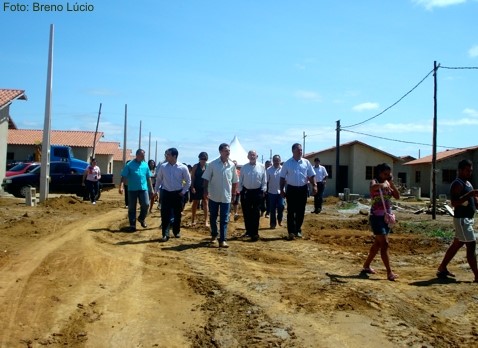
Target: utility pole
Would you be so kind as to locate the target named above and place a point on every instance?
(139, 141)
(45, 152)
(149, 147)
(125, 133)
(96, 132)
(337, 159)
(434, 153)
(156, 153)
(303, 144)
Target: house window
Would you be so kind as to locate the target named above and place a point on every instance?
(418, 176)
(368, 173)
(448, 175)
(328, 168)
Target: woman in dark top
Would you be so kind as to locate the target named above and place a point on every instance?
(197, 188)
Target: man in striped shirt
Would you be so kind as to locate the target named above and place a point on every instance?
(297, 172)
(174, 179)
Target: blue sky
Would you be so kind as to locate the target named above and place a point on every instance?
(196, 73)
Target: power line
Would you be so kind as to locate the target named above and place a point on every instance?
(460, 67)
(398, 140)
(391, 106)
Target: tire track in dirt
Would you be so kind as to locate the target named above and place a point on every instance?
(94, 289)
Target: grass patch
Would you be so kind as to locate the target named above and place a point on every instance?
(428, 229)
(441, 233)
(347, 205)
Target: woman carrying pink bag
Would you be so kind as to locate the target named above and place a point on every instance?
(382, 189)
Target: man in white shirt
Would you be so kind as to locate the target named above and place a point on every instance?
(296, 172)
(252, 185)
(321, 178)
(276, 201)
(174, 179)
(220, 185)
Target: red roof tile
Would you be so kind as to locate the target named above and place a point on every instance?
(71, 138)
(107, 147)
(9, 95)
(118, 155)
(442, 155)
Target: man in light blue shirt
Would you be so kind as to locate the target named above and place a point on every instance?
(174, 179)
(220, 184)
(252, 185)
(276, 201)
(297, 172)
(321, 179)
(138, 178)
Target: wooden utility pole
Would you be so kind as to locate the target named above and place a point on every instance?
(96, 132)
(434, 153)
(337, 159)
(124, 132)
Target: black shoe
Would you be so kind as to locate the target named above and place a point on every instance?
(177, 235)
(255, 238)
(143, 223)
(131, 229)
(165, 238)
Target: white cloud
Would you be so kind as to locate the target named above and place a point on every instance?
(365, 107)
(473, 52)
(308, 95)
(430, 4)
(471, 112)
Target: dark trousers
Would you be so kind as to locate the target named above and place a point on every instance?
(126, 195)
(171, 207)
(296, 197)
(92, 188)
(319, 196)
(251, 202)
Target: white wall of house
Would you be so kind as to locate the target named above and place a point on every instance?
(357, 158)
(105, 162)
(117, 168)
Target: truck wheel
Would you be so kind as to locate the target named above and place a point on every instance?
(24, 191)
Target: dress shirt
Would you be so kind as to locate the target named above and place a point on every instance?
(273, 179)
(320, 173)
(173, 177)
(253, 176)
(297, 173)
(220, 176)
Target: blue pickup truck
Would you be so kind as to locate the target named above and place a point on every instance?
(63, 179)
(64, 153)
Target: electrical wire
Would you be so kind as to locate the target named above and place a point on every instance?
(391, 106)
(400, 141)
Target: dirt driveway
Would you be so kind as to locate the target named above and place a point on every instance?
(70, 277)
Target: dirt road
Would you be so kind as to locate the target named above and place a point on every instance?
(70, 276)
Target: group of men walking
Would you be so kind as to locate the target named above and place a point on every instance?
(221, 182)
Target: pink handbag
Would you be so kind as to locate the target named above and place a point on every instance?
(389, 218)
